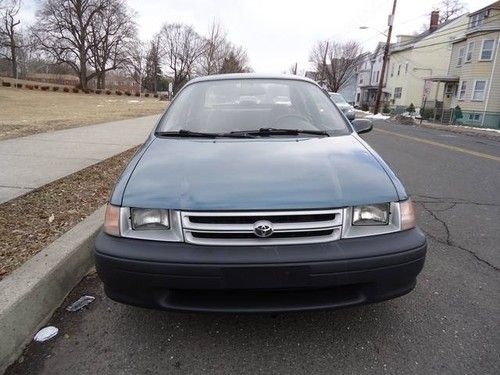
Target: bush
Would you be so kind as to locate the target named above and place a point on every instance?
(118, 92)
(146, 95)
(427, 113)
(86, 91)
(137, 93)
(66, 89)
(29, 87)
(75, 90)
(36, 87)
(364, 107)
(128, 93)
(19, 85)
(411, 108)
(386, 108)
(6, 84)
(55, 88)
(44, 88)
(98, 92)
(155, 95)
(108, 92)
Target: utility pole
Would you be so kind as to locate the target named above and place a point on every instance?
(386, 57)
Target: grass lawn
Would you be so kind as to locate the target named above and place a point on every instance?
(24, 112)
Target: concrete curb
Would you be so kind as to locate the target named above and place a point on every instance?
(30, 295)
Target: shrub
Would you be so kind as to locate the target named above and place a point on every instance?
(36, 87)
(75, 90)
(364, 107)
(128, 93)
(29, 87)
(118, 92)
(44, 88)
(155, 95)
(6, 84)
(426, 113)
(19, 85)
(86, 91)
(137, 93)
(108, 92)
(66, 89)
(98, 92)
(55, 88)
(386, 108)
(411, 108)
(146, 95)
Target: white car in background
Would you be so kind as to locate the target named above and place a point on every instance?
(342, 104)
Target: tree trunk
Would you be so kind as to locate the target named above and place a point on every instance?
(103, 80)
(13, 54)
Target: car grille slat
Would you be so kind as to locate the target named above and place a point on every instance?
(237, 228)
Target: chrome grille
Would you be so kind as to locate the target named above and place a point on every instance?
(237, 228)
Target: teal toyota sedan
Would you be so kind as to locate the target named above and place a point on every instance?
(254, 193)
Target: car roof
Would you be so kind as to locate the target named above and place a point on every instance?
(237, 76)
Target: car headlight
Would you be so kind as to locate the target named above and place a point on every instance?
(374, 214)
(149, 218)
(376, 219)
(144, 223)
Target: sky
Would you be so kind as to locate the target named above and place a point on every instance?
(280, 33)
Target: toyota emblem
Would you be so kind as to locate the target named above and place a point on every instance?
(263, 228)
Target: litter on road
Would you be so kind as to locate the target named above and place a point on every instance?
(80, 303)
(46, 334)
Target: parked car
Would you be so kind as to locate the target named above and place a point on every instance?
(342, 104)
(269, 204)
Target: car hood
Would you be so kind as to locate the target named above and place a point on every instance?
(257, 174)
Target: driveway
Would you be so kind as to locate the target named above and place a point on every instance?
(448, 325)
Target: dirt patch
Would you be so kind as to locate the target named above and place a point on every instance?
(24, 112)
(31, 222)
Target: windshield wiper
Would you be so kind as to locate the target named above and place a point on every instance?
(277, 131)
(191, 134)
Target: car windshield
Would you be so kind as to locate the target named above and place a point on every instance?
(337, 98)
(232, 105)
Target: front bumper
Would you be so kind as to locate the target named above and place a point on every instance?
(180, 276)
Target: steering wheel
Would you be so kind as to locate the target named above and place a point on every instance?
(291, 115)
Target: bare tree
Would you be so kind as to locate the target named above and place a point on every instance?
(449, 9)
(112, 36)
(62, 30)
(9, 36)
(335, 62)
(135, 65)
(180, 47)
(214, 51)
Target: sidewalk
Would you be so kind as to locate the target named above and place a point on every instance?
(29, 162)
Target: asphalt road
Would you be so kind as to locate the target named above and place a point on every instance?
(449, 324)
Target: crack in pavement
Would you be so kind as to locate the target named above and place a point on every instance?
(450, 200)
(448, 241)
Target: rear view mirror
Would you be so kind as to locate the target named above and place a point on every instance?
(362, 125)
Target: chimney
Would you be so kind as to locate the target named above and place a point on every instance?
(434, 20)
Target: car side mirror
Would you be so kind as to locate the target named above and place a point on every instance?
(362, 125)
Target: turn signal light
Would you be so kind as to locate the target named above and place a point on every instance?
(112, 220)
(408, 220)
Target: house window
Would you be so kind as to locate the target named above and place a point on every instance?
(377, 75)
(406, 68)
(361, 80)
(474, 117)
(397, 92)
(463, 90)
(487, 49)
(479, 90)
(477, 19)
(399, 69)
(461, 55)
(470, 51)
(392, 70)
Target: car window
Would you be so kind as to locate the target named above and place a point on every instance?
(222, 106)
(338, 99)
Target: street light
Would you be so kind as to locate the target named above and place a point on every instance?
(368, 28)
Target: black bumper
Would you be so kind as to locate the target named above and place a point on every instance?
(188, 277)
